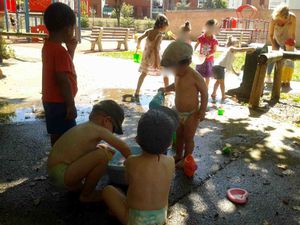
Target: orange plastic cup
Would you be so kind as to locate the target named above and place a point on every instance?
(189, 166)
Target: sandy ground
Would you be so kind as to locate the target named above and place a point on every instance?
(265, 158)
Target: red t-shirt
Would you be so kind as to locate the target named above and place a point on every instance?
(56, 59)
(207, 46)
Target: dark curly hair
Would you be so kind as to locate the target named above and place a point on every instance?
(59, 16)
(161, 21)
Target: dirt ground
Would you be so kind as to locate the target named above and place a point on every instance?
(265, 143)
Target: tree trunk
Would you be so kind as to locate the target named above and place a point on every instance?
(243, 92)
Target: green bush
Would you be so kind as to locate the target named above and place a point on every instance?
(6, 51)
(220, 4)
(127, 22)
(84, 21)
(148, 23)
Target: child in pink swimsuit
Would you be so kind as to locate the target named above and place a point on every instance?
(208, 46)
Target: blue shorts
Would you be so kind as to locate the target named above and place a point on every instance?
(55, 115)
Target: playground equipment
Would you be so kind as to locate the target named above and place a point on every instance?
(30, 14)
(247, 22)
(277, 57)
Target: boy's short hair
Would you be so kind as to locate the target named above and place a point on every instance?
(59, 16)
(177, 53)
(112, 109)
(155, 129)
(211, 22)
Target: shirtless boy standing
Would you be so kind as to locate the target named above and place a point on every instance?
(76, 163)
(149, 175)
(188, 85)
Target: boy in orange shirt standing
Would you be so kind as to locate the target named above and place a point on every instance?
(59, 82)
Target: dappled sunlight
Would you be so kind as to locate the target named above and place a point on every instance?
(256, 154)
(10, 184)
(226, 206)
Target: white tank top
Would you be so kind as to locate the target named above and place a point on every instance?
(226, 59)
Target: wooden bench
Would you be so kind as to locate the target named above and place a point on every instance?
(110, 34)
(244, 37)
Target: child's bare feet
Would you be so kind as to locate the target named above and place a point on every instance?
(224, 98)
(213, 97)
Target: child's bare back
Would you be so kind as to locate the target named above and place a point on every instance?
(148, 182)
(76, 142)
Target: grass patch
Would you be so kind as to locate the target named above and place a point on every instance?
(120, 55)
(237, 65)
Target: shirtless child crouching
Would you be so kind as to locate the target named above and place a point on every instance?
(188, 85)
(149, 175)
(76, 163)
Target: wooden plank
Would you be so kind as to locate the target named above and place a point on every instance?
(258, 85)
(277, 80)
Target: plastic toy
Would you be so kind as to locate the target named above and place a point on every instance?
(158, 100)
(237, 195)
(226, 150)
(220, 111)
(137, 57)
(189, 166)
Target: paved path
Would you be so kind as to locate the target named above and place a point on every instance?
(261, 146)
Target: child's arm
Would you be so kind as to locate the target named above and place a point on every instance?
(71, 46)
(202, 88)
(65, 89)
(171, 87)
(144, 35)
(114, 141)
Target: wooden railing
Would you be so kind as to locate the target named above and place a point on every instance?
(264, 60)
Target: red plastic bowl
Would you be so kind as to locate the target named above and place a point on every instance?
(237, 195)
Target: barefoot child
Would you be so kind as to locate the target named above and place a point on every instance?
(59, 83)
(188, 85)
(225, 63)
(150, 64)
(149, 175)
(76, 163)
(208, 46)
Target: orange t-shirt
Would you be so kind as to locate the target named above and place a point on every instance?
(56, 59)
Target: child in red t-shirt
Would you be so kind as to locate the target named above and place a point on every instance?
(208, 46)
(59, 83)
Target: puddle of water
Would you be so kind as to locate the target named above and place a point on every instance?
(17, 111)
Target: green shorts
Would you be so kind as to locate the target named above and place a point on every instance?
(57, 175)
(147, 217)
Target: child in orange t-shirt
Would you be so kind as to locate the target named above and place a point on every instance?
(59, 83)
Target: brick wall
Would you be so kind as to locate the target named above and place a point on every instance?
(141, 7)
(199, 17)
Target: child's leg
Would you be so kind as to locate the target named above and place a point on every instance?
(207, 79)
(179, 143)
(222, 86)
(116, 202)
(216, 86)
(140, 82)
(190, 128)
(91, 167)
(166, 81)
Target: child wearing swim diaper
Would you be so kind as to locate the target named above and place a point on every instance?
(149, 175)
(77, 161)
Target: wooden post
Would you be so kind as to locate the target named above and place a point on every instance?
(258, 85)
(277, 80)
